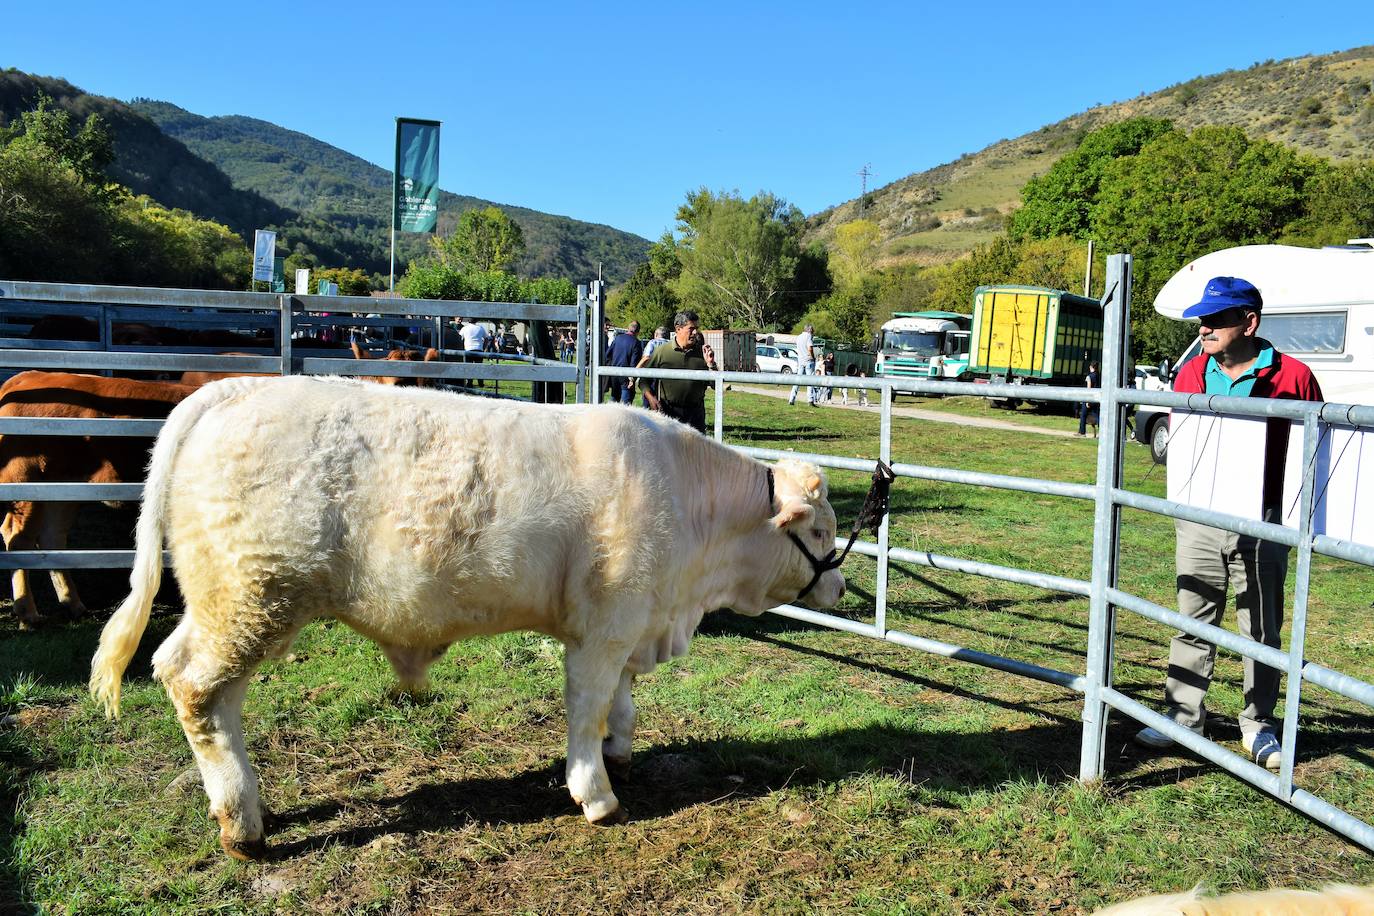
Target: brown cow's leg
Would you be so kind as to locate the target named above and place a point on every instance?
(19, 529)
(207, 677)
(55, 523)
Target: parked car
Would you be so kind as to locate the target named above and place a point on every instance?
(1147, 378)
(509, 343)
(770, 358)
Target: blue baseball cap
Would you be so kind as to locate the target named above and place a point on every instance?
(1224, 293)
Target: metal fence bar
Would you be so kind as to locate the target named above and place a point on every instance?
(55, 426)
(70, 492)
(1241, 645)
(72, 559)
(1343, 684)
(1262, 530)
(1297, 635)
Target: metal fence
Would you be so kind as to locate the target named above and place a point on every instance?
(291, 313)
(1102, 588)
(104, 308)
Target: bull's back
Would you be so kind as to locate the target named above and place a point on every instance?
(424, 512)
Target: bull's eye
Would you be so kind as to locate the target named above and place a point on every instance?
(818, 534)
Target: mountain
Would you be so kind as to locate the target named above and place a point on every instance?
(335, 188)
(1322, 105)
(251, 174)
(146, 160)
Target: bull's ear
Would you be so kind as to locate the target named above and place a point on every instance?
(357, 350)
(431, 355)
(793, 512)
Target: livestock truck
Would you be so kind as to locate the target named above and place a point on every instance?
(1033, 335)
(923, 345)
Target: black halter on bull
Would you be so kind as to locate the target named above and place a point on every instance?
(870, 516)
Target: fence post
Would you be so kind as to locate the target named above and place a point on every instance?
(580, 351)
(720, 408)
(1116, 316)
(596, 337)
(1297, 636)
(284, 308)
(885, 453)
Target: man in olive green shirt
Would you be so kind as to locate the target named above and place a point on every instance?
(683, 400)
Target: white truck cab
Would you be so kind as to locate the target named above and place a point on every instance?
(1318, 307)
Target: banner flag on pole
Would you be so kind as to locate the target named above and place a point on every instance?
(416, 196)
(279, 275)
(302, 281)
(264, 251)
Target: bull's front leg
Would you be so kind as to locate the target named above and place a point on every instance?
(592, 671)
(616, 749)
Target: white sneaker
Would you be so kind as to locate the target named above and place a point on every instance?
(1264, 749)
(1156, 739)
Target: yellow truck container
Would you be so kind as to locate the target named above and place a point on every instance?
(1034, 334)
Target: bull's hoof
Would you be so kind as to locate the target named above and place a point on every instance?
(617, 768)
(245, 850)
(618, 815)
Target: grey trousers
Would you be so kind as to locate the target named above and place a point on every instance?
(1207, 561)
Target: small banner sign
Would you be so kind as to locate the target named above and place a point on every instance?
(415, 183)
(264, 250)
(302, 281)
(279, 275)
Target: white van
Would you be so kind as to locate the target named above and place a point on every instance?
(1318, 306)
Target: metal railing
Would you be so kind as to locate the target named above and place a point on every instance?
(1101, 589)
(105, 306)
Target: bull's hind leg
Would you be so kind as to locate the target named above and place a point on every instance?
(207, 678)
(615, 750)
(593, 671)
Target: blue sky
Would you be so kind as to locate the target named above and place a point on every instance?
(611, 112)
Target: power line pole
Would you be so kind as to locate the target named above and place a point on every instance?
(863, 174)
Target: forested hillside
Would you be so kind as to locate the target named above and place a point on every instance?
(353, 196)
(249, 174)
(1320, 105)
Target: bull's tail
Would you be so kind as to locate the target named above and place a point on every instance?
(119, 640)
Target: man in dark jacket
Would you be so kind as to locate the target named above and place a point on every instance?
(624, 352)
(1235, 362)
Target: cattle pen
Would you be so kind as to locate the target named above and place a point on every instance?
(1102, 589)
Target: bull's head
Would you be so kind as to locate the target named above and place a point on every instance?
(804, 526)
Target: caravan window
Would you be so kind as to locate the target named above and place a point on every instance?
(1311, 332)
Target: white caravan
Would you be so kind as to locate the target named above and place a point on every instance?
(1318, 306)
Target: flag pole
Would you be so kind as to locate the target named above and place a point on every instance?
(395, 169)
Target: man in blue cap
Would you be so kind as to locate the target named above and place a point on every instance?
(1236, 362)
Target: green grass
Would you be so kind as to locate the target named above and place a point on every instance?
(778, 766)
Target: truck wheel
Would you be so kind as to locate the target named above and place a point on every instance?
(786, 370)
(1159, 439)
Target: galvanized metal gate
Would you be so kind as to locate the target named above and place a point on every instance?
(1102, 590)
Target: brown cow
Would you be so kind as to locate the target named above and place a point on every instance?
(96, 459)
(404, 355)
(194, 377)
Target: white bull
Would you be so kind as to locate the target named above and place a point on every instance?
(419, 518)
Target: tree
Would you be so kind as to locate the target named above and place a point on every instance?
(1184, 195)
(739, 257)
(856, 246)
(645, 298)
(1060, 201)
(483, 240)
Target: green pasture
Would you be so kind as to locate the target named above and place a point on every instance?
(778, 767)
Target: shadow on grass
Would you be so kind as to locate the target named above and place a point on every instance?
(684, 774)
